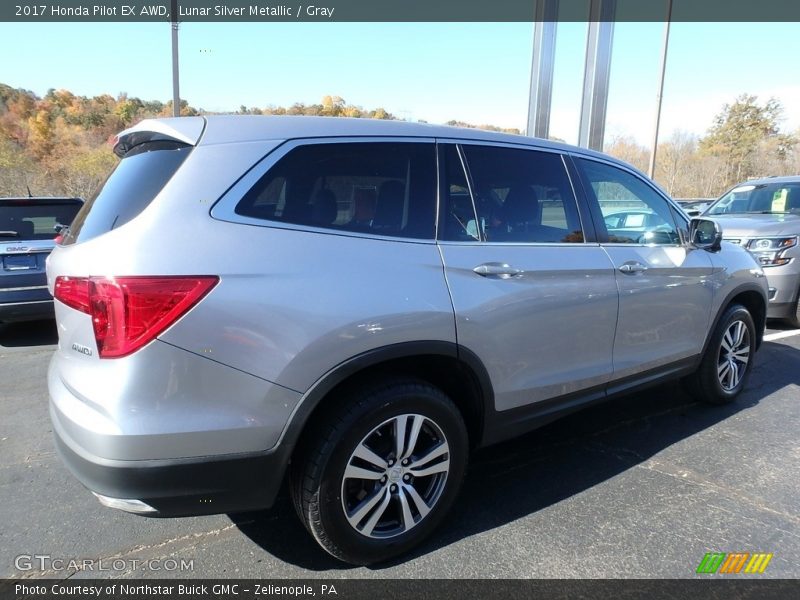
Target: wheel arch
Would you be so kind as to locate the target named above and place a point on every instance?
(752, 297)
(455, 370)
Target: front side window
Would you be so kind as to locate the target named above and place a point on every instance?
(522, 196)
(633, 212)
(379, 188)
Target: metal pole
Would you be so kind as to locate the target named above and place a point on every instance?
(596, 75)
(541, 85)
(651, 171)
(176, 93)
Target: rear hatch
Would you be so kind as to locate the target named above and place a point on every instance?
(106, 271)
(28, 227)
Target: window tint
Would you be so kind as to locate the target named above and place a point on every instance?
(382, 188)
(760, 198)
(522, 195)
(633, 212)
(34, 219)
(132, 185)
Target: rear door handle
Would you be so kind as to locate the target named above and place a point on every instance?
(633, 267)
(497, 270)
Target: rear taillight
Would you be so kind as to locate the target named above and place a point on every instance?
(74, 292)
(129, 312)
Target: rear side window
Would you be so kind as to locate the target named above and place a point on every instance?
(522, 196)
(380, 188)
(35, 219)
(129, 189)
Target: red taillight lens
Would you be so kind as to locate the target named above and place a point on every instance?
(129, 312)
(74, 292)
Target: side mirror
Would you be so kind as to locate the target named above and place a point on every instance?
(705, 234)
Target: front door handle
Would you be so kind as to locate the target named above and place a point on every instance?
(632, 267)
(497, 270)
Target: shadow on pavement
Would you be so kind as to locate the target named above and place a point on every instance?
(28, 333)
(520, 477)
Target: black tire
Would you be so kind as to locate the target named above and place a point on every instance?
(707, 384)
(318, 483)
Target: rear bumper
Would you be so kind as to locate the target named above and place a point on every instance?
(181, 487)
(11, 312)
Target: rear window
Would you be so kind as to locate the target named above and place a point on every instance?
(379, 188)
(129, 189)
(35, 219)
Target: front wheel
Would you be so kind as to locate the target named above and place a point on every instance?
(383, 473)
(728, 359)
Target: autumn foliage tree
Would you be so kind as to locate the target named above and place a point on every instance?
(59, 144)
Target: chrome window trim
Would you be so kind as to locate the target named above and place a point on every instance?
(23, 289)
(50, 301)
(224, 209)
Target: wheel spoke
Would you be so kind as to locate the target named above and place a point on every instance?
(354, 472)
(722, 371)
(408, 518)
(368, 455)
(435, 452)
(739, 334)
(734, 376)
(423, 508)
(440, 467)
(363, 509)
(742, 355)
(727, 342)
(373, 520)
(416, 425)
(399, 435)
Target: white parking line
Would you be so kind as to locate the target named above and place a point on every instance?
(771, 337)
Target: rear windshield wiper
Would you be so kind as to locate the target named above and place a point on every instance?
(767, 212)
(9, 234)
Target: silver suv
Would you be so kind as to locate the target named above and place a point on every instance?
(763, 216)
(355, 305)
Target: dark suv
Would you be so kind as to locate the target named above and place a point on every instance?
(28, 227)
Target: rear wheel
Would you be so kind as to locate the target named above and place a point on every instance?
(381, 475)
(728, 359)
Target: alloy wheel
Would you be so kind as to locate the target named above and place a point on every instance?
(734, 354)
(395, 476)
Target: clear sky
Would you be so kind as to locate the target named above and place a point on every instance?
(474, 72)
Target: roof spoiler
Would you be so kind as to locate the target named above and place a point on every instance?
(186, 130)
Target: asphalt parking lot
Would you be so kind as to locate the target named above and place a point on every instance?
(639, 487)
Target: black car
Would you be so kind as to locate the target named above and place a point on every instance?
(28, 228)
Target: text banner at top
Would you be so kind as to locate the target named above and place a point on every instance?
(386, 10)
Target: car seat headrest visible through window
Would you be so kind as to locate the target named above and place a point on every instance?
(389, 206)
(324, 208)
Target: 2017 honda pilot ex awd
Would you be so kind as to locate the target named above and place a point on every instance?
(357, 304)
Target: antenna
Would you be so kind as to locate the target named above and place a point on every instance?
(29, 191)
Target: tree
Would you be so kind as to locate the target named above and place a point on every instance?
(674, 160)
(743, 130)
(625, 148)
